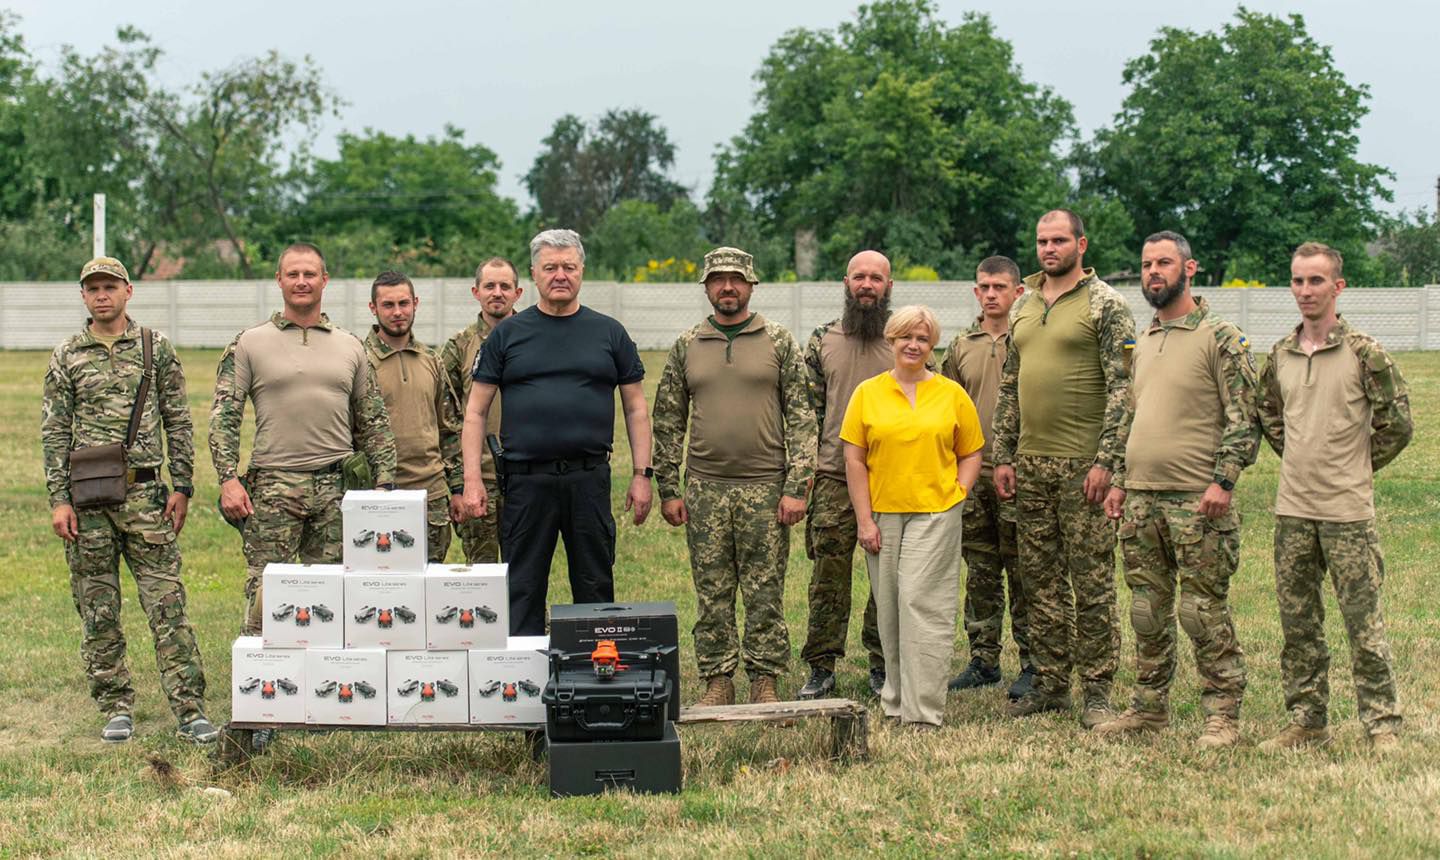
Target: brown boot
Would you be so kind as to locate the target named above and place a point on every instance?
(1296, 736)
(719, 690)
(762, 690)
(1221, 731)
(1134, 722)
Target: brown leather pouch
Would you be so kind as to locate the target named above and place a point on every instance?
(98, 476)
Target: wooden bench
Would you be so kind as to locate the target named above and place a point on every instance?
(849, 721)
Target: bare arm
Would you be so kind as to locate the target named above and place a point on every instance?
(637, 426)
(472, 439)
(857, 481)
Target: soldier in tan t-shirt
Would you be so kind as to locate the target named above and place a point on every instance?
(1190, 430)
(975, 360)
(1336, 409)
(424, 414)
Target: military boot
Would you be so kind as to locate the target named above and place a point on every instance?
(1221, 731)
(719, 690)
(762, 690)
(877, 681)
(1097, 707)
(1384, 743)
(1296, 736)
(821, 684)
(1036, 702)
(1134, 722)
(977, 674)
(1023, 682)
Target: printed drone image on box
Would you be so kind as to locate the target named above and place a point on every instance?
(345, 687)
(428, 686)
(303, 606)
(384, 531)
(385, 610)
(467, 606)
(267, 685)
(505, 685)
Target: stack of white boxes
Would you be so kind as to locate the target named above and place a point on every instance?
(386, 639)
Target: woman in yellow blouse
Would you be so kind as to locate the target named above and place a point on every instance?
(912, 453)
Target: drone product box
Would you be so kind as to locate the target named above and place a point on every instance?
(267, 684)
(303, 606)
(384, 531)
(428, 687)
(468, 606)
(591, 767)
(631, 626)
(385, 610)
(505, 684)
(345, 687)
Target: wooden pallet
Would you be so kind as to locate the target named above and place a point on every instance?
(849, 721)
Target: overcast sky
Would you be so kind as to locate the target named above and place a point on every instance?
(504, 71)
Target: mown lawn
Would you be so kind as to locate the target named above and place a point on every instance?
(982, 786)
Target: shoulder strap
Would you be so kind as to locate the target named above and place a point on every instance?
(148, 346)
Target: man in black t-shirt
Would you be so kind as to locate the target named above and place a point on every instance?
(557, 366)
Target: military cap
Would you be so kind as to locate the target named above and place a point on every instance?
(105, 266)
(729, 260)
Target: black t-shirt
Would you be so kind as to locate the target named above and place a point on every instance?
(557, 379)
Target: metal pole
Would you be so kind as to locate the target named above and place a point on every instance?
(99, 226)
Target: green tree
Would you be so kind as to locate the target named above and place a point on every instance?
(1410, 251)
(431, 204)
(895, 131)
(634, 232)
(1245, 141)
(581, 173)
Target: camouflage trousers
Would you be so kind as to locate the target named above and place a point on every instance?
(1067, 564)
(297, 515)
(990, 564)
(138, 531)
(1163, 537)
(480, 538)
(1304, 551)
(437, 532)
(736, 543)
(830, 539)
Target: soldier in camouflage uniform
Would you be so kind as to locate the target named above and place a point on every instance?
(90, 389)
(1190, 430)
(496, 288)
(423, 413)
(738, 382)
(1335, 408)
(316, 402)
(974, 360)
(1056, 443)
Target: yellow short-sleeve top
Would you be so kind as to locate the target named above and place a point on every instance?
(913, 451)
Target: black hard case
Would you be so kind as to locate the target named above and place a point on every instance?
(648, 767)
(632, 627)
(631, 705)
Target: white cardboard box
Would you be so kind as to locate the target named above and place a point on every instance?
(385, 610)
(468, 606)
(345, 687)
(303, 606)
(428, 687)
(505, 685)
(266, 685)
(384, 531)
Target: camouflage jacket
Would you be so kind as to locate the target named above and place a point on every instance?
(1390, 422)
(369, 422)
(1112, 319)
(1240, 431)
(672, 413)
(458, 354)
(89, 392)
(447, 415)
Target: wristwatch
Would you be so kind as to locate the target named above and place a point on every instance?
(646, 472)
(1225, 484)
(187, 492)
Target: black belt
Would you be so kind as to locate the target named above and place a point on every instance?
(142, 476)
(554, 467)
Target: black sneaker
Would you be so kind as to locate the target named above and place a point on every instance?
(118, 730)
(1036, 702)
(1023, 682)
(977, 674)
(198, 731)
(877, 681)
(821, 684)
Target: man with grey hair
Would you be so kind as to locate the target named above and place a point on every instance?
(557, 365)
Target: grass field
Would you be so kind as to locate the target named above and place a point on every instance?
(982, 786)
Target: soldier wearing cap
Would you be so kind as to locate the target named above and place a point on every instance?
(738, 382)
(91, 387)
(316, 403)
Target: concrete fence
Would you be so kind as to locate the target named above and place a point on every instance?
(209, 313)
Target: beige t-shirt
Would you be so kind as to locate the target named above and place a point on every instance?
(975, 360)
(1326, 472)
(737, 429)
(1180, 396)
(302, 382)
(845, 362)
(412, 383)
